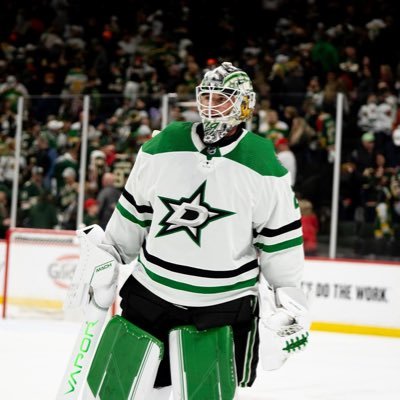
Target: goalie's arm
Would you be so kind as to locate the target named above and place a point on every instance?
(278, 234)
(131, 219)
(284, 311)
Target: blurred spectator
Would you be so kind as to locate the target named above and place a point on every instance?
(67, 160)
(386, 116)
(120, 168)
(325, 130)
(367, 114)
(393, 154)
(4, 214)
(96, 169)
(350, 186)
(301, 134)
(276, 80)
(11, 90)
(286, 157)
(314, 92)
(43, 214)
(45, 157)
(271, 126)
(68, 193)
(54, 131)
(107, 199)
(395, 199)
(7, 162)
(384, 228)
(91, 216)
(30, 193)
(7, 118)
(325, 54)
(310, 226)
(375, 191)
(364, 156)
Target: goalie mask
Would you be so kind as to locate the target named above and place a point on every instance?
(225, 98)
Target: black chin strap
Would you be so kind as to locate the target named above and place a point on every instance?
(225, 141)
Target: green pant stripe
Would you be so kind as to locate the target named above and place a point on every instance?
(125, 213)
(197, 289)
(249, 356)
(272, 248)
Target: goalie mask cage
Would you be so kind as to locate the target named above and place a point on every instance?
(39, 266)
(177, 107)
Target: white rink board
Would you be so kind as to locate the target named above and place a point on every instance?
(355, 293)
(347, 292)
(39, 276)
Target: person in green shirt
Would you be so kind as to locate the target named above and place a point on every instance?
(43, 215)
(30, 192)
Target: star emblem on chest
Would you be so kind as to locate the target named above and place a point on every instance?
(189, 214)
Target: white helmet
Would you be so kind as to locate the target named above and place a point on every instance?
(225, 98)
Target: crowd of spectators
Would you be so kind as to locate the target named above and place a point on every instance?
(127, 55)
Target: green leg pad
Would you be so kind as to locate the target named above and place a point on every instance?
(125, 363)
(202, 363)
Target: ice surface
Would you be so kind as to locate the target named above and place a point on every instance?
(33, 355)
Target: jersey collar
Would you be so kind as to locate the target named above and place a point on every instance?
(223, 149)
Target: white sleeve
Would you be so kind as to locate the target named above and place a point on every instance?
(130, 222)
(278, 233)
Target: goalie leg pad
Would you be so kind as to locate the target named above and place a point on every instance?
(202, 363)
(125, 364)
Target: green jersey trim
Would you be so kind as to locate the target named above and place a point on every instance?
(175, 137)
(252, 150)
(257, 154)
(272, 248)
(125, 213)
(197, 289)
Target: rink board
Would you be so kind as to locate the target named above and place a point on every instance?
(345, 295)
(38, 272)
(353, 296)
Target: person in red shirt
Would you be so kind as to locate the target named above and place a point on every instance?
(310, 225)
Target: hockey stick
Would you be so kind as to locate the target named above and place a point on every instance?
(96, 270)
(82, 354)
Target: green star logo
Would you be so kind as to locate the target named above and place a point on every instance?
(190, 215)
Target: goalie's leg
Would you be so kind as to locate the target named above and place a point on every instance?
(125, 363)
(202, 363)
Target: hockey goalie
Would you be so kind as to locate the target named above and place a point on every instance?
(206, 212)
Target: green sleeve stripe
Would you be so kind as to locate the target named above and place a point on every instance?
(198, 289)
(272, 248)
(125, 213)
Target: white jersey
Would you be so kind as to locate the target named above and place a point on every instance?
(203, 221)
